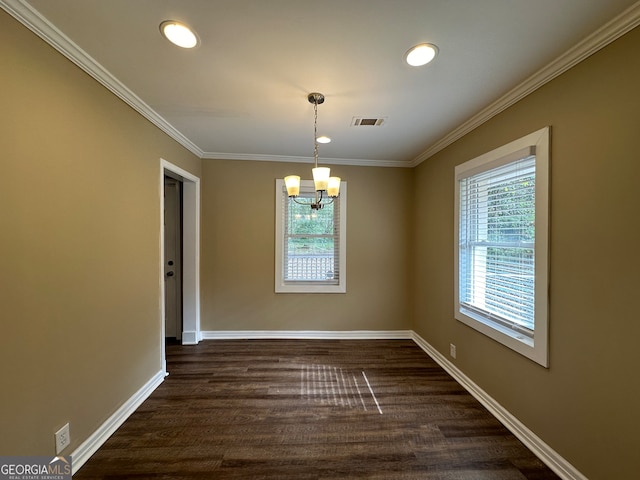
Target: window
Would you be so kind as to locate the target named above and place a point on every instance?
(502, 244)
(310, 244)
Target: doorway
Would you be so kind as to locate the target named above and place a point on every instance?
(172, 259)
(190, 259)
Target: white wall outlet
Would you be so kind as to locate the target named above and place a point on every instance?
(63, 439)
(452, 350)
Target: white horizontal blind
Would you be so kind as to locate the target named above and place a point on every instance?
(497, 244)
(311, 241)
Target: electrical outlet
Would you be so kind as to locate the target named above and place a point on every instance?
(452, 350)
(63, 439)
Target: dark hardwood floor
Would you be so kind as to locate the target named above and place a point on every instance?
(310, 409)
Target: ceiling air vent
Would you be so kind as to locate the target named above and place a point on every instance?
(367, 122)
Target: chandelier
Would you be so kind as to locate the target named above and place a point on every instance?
(324, 184)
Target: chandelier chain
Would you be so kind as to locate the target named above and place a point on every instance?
(315, 132)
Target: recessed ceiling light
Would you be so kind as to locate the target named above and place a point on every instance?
(323, 139)
(178, 34)
(421, 54)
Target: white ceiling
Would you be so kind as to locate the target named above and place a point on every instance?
(242, 94)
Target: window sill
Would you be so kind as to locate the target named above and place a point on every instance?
(310, 288)
(512, 339)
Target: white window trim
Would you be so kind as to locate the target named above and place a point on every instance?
(306, 287)
(536, 349)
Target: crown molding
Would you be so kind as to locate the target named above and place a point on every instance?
(39, 25)
(611, 31)
(290, 159)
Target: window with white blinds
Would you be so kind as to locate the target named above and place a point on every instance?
(497, 234)
(501, 238)
(310, 254)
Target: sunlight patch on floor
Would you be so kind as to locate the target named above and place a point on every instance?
(330, 385)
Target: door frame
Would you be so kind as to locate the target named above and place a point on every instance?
(191, 255)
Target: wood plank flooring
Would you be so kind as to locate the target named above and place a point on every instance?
(310, 410)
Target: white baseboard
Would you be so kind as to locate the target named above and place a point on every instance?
(544, 452)
(81, 454)
(190, 337)
(307, 334)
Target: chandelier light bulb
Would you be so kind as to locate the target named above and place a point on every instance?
(333, 187)
(321, 177)
(292, 182)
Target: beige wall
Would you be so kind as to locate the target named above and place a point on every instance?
(585, 405)
(238, 249)
(80, 223)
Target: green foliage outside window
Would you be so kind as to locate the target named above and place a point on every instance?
(511, 211)
(310, 231)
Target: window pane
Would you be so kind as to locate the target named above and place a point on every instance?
(310, 242)
(309, 263)
(511, 210)
(510, 284)
(303, 220)
(497, 234)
